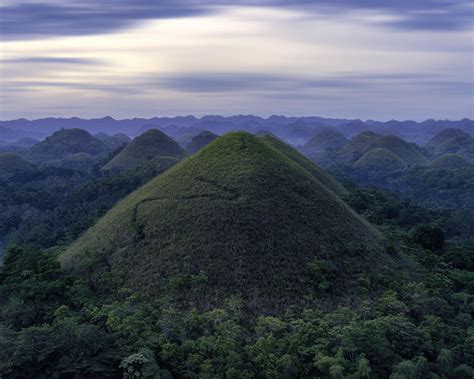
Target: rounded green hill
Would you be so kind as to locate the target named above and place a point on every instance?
(150, 145)
(66, 142)
(326, 139)
(201, 140)
(237, 218)
(113, 142)
(407, 152)
(449, 162)
(11, 163)
(452, 141)
(380, 161)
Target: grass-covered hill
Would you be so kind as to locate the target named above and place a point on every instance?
(408, 153)
(240, 217)
(66, 142)
(380, 160)
(452, 141)
(346, 154)
(114, 141)
(150, 145)
(326, 139)
(304, 162)
(449, 162)
(198, 142)
(11, 163)
(184, 140)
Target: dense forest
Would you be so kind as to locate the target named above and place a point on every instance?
(237, 256)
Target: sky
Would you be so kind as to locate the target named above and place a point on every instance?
(368, 59)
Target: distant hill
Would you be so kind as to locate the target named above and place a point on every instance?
(184, 140)
(380, 161)
(150, 145)
(239, 217)
(66, 142)
(346, 154)
(449, 162)
(319, 174)
(25, 142)
(452, 141)
(326, 139)
(11, 163)
(199, 141)
(115, 141)
(408, 153)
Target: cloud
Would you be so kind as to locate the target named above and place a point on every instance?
(27, 20)
(53, 60)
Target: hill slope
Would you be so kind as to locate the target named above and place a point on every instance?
(407, 152)
(237, 218)
(380, 161)
(150, 145)
(326, 139)
(449, 162)
(11, 163)
(452, 141)
(199, 141)
(301, 160)
(66, 142)
(115, 141)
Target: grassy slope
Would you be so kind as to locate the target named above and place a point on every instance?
(449, 162)
(66, 142)
(305, 163)
(11, 162)
(407, 153)
(249, 218)
(199, 141)
(380, 160)
(150, 145)
(327, 139)
(452, 141)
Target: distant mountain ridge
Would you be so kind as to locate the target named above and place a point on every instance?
(293, 129)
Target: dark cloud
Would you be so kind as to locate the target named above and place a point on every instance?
(234, 82)
(254, 82)
(25, 20)
(53, 60)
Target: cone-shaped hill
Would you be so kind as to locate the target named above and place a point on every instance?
(201, 140)
(150, 145)
(326, 139)
(66, 142)
(304, 162)
(449, 162)
(380, 161)
(452, 141)
(407, 152)
(237, 218)
(113, 142)
(11, 163)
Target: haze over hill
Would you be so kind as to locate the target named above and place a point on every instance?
(294, 129)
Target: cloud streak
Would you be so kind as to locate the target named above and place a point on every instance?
(27, 20)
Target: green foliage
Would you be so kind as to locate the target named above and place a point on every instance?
(198, 142)
(412, 321)
(248, 206)
(147, 147)
(65, 142)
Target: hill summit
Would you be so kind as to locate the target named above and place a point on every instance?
(66, 142)
(198, 142)
(150, 145)
(240, 217)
